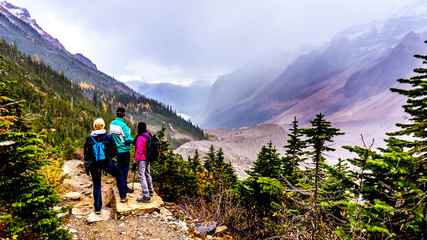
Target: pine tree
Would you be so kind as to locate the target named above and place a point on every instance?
(224, 172)
(318, 136)
(209, 159)
(410, 178)
(416, 107)
(393, 183)
(268, 163)
(295, 151)
(262, 190)
(367, 211)
(25, 197)
(171, 172)
(194, 162)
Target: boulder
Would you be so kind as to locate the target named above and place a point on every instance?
(77, 212)
(220, 230)
(203, 230)
(93, 217)
(165, 212)
(132, 206)
(73, 195)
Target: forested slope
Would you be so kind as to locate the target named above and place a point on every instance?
(57, 107)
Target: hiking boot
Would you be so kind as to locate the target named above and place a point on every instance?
(129, 190)
(123, 200)
(144, 199)
(151, 194)
(97, 212)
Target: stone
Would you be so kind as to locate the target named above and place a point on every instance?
(60, 215)
(73, 195)
(104, 216)
(165, 212)
(202, 230)
(183, 226)
(220, 230)
(77, 212)
(132, 207)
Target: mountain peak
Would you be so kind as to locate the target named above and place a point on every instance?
(13, 13)
(86, 61)
(418, 8)
(20, 13)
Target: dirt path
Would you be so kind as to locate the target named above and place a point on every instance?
(158, 225)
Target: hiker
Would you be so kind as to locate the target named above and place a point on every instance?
(121, 135)
(144, 175)
(95, 162)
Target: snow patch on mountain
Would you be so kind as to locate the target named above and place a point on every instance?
(13, 13)
(415, 9)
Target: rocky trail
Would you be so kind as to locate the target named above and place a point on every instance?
(130, 220)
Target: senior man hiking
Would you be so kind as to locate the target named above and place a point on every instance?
(121, 135)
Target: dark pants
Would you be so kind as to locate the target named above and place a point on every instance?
(123, 161)
(95, 171)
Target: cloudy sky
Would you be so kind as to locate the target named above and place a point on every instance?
(181, 41)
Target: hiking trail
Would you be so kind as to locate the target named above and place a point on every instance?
(130, 220)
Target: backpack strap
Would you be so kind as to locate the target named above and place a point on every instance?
(93, 139)
(143, 135)
(146, 142)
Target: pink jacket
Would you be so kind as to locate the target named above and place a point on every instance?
(141, 148)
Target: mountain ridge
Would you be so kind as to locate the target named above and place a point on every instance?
(105, 92)
(372, 56)
(18, 28)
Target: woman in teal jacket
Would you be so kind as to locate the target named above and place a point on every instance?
(121, 135)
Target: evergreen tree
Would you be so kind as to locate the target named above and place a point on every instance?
(393, 184)
(416, 147)
(26, 198)
(171, 172)
(336, 195)
(262, 190)
(318, 136)
(209, 159)
(295, 151)
(224, 173)
(404, 163)
(366, 213)
(194, 162)
(268, 163)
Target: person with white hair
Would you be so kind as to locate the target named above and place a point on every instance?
(99, 149)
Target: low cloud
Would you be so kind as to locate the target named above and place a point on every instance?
(186, 40)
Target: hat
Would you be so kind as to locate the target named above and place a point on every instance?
(121, 110)
(98, 124)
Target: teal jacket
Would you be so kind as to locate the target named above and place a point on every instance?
(121, 135)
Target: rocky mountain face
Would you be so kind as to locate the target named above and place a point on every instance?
(347, 80)
(18, 28)
(86, 61)
(360, 62)
(13, 13)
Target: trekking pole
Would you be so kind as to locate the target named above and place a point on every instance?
(134, 174)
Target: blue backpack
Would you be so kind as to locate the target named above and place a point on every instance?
(98, 150)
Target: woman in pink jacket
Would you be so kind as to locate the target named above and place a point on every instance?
(144, 175)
